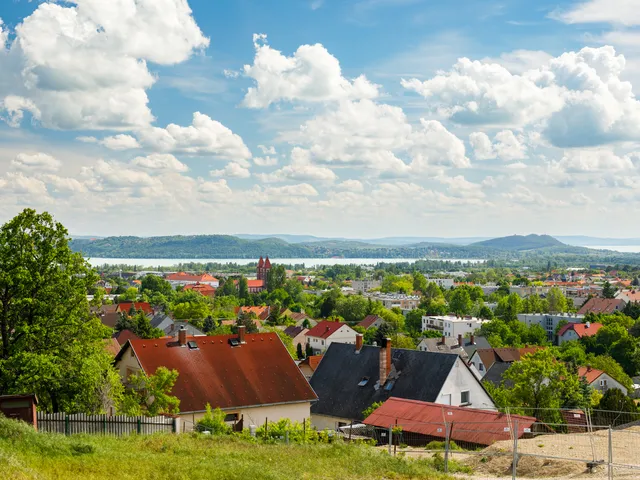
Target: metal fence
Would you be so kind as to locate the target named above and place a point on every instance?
(105, 424)
(591, 444)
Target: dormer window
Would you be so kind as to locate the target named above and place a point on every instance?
(363, 382)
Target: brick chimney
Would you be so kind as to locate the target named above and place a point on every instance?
(472, 339)
(358, 342)
(460, 340)
(385, 360)
(182, 336)
(443, 340)
(241, 329)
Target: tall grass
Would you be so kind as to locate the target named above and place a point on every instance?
(26, 454)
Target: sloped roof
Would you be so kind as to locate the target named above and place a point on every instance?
(312, 361)
(203, 288)
(187, 277)
(258, 372)
(581, 329)
(481, 427)
(262, 312)
(124, 336)
(325, 329)
(589, 374)
(294, 331)
(112, 346)
(632, 295)
(110, 319)
(369, 320)
(255, 283)
(489, 356)
(495, 374)
(297, 316)
(336, 379)
(126, 306)
(601, 305)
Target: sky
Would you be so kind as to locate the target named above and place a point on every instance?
(350, 118)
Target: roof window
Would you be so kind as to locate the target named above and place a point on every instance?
(234, 342)
(192, 345)
(389, 386)
(363, 382)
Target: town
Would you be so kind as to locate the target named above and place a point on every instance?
(341, 351)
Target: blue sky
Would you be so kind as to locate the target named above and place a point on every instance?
(335, 118)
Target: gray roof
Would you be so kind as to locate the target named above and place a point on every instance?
(451, 345)
(479, 342)
(495, 373)
(159, 319)
(419, 376)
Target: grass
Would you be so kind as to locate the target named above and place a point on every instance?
(26, 454)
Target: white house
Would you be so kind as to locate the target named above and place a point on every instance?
(549, 321)
(351, 378)
(182, 278)
(600, 380)
(444, 283)
(325, 333)
(450, 325)
(575, 331)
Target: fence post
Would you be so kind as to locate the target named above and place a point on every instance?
(610, 454)
(390, 438)
(350, 430)
(139, 425)
(304, 430)
(514, 465)
(266, 428)
(286, 437)
(66, 424)
(446, 447)
(174, 427)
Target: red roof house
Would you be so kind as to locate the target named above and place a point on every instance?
(182, 278)
(202, 288)
(251, 375)
(124, 307)
(602, 305)
(575, 331)
(371, 321)
(324, 333)
(425, 421)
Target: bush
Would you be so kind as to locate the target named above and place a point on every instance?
(437, 445)
(213, 421)
(298, 432)
(453, 465)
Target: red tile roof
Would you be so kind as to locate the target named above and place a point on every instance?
(262, 311)
(325, 329)
(187, 277)
(259, 372)
(255, 283)
(126, 306)
(480, 427)
(203, 288)
(581, 329)
(589, 374)
(112, 346)
(267, 263)
(368, 321)
(632, 295)
(489, 356)
(124, 336)
(601, 305)
(261, 262)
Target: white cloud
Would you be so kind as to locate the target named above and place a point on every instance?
(84, 65)
(312, 74)
(581, 199)
(267, 150)
(458, 186)
(113, 176)
(64, 185)
(204, 136)
(265, 161)
(517, 166)
(600, 160)
(300, 169)
(520, 61)
(232, 169)
(300, 190)
(17, 183)
(623, 12)
(214, 191)
(432, 144)
(120, 142)
(351, 186)
(524, 196)
(37, 161)
(160, 161)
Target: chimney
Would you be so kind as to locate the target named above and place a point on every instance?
(588, 324)
(472, 339)
(241, 329)
(358, 342)
(443, 340)
(460, 340)
(182, 336)
(385, 360)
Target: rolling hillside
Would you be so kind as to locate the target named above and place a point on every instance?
(521, 242)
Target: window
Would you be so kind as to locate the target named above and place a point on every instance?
(464, 397)
(363, 382)
(231, 417)
(481, 367)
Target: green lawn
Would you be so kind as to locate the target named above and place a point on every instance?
(25, 454)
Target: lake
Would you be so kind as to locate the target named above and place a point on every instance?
(168, 262)
(620, 248)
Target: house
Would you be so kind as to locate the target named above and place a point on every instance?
(309, 365)
(123, 337)
(21, 407)
(425, 422)
(125, 307)
(350, 378)
(371, 321)
(111, 346)
(599, 380)
(300, 319)
(548, 321)
(298, 335)
(495, 374)
(575, 331)
(405, 303)
(452, 325)
(261, 312)
(325, 333)
(465, 347)
(629, 296)
(443, 283)
(183, 279)
(602, 305)
(251, 377)
(231, 323)
(365, 285)
(484, 358)
(202, 288)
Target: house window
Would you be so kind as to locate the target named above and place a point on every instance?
(231, 417)
(131, 352)
(481, 367)
(464, 397)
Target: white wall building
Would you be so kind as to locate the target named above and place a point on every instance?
(450, 325)
(549, 321)
(325, 333)
(444, 283)
(365, 285)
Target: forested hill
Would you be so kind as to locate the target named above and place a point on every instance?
(521, 242)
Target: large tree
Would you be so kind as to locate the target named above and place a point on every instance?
(49, 343)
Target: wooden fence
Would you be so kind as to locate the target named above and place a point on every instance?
(105, 424)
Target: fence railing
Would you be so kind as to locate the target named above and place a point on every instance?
(105, 424)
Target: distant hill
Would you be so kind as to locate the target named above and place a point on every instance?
(520, 242)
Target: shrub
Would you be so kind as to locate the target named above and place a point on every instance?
(213, 421)
(437, 445)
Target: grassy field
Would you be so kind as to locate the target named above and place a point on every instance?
(25, 454)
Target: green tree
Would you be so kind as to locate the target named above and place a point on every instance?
(308, 350)
(228, 288)
(419, 282)
(557, 300)
(413, 321)
(243, 288)
(150, 395)
(49, 343)
(246, 319)
(154, 284)
(352, 308)
(541, 383)
(213, 421)
(615, 400)
(432, 291)
(370, 409)
(612, 368)
(276, 278)
(509, 307)
(299, 351)
(485, 313)
(460, 301)
(608, 290)
(130, 295)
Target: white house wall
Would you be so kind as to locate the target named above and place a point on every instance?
(461, 379)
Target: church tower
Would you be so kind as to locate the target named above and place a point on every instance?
(262, 271)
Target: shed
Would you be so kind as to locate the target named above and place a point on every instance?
(20, 407)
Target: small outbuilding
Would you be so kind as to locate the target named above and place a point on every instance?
(20, 407)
